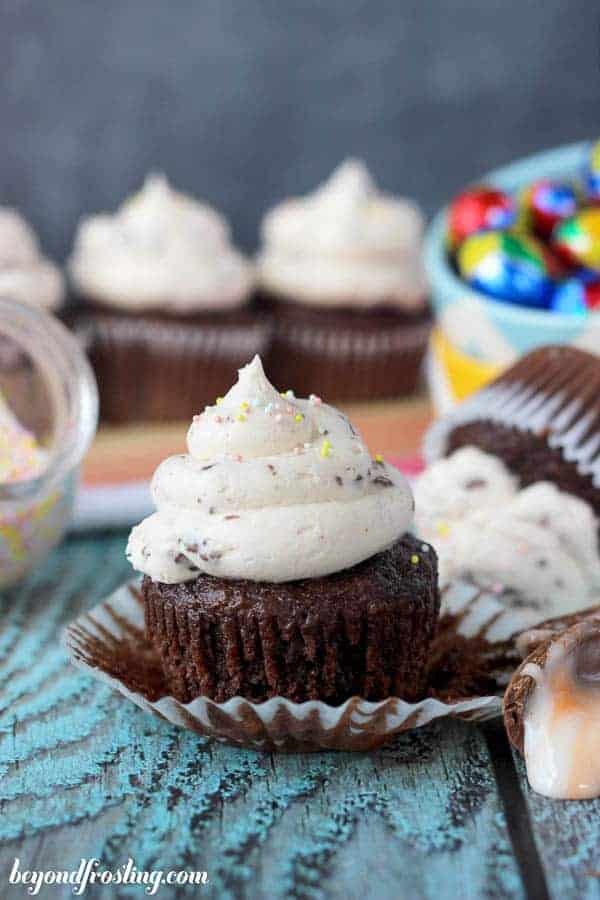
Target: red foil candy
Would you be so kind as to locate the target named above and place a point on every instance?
(479, 209)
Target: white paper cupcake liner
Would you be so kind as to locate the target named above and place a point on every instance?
(554, 394)
(106, 639)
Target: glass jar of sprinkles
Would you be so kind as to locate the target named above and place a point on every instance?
(48, 417)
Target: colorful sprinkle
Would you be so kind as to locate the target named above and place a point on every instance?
(218, 401)
(326, 449)
(378, 458)
(241, 417)
(442, 528)
(298, 417)
(316, 401)
(415, 559)
(245, 406)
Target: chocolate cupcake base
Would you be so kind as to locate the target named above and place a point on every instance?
(346, 355)
(108, 643)
(159, 367)
(364, 632)
(541, 417)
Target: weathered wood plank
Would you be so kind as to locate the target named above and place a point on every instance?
(567, 835)
(84, 773)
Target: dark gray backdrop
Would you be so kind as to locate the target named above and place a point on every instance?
(243, 101)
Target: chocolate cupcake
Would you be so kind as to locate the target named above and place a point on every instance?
(552, 711)
(26, 275)
(541, 418)
(278, 562)
(163, 304)
(511, 496)
(340, 272)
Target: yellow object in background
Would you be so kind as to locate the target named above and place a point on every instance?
(464, 374)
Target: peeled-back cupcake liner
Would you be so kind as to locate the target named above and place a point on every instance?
(109, 643)
(343, 355)
(551, 393)
(156, 368)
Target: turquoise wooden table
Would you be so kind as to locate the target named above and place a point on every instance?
(443, 812)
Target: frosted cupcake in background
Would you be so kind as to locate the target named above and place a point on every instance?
(26, 275)
(164, 298)
(340, 271)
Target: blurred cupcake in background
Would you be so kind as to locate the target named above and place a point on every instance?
(26, 275)
(340, 271)
(164, 304)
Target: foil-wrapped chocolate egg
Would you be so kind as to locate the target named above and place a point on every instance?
(479, 209)
(578, 294)
(546, 203)
(511, 267)
(577, 241)
(592, 175)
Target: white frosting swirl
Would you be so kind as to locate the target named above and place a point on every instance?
(346, 244)
(25, 274)
(160, 250)
(273, 488)
(538, 541)
(455, 486)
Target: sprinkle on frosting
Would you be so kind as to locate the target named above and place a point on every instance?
(281, 505)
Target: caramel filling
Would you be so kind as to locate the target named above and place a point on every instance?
(562, 724)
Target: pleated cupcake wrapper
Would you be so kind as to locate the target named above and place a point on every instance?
(109, 643)
(348, 364)
(553, 391)
(165, 369)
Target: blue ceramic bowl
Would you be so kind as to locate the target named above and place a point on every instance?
(482, 335)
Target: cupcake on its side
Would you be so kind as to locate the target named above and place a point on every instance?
(341, 272)
(511, 495)
(165, 297)
(278, 562)
(541, 418)
(26, 275)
